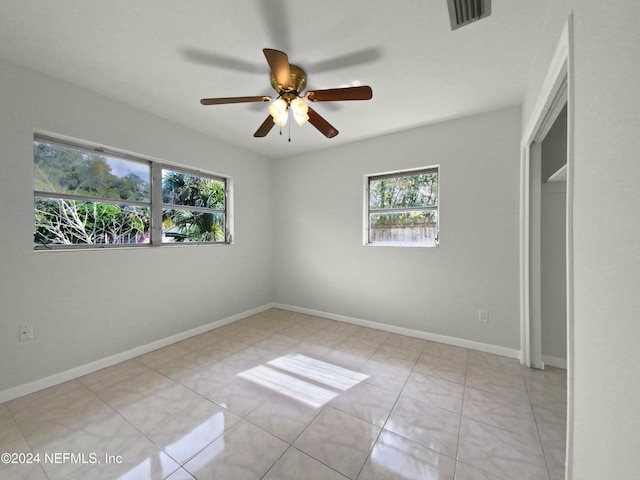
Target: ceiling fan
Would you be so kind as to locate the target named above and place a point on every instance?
(289, 81)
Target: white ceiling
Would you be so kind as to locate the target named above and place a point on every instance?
(162, 56)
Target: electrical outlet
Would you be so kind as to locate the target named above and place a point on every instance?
(483, 316)
(26, 332)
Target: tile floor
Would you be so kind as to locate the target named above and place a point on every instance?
(281, 395)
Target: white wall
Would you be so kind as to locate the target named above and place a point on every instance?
(323, 265)
(554, 147)
(553, 272)
(553, 245)
(87, 305)
(607, 259)
(604, 376)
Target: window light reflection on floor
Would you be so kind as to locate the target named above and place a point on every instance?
(211, 427)
(319, 371)
(303, 378)
(400, 461)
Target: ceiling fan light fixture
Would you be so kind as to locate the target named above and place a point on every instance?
(300, 111)
(277, 108)
(281, 119)
(301, 119)
(290, 81)
(299, 107)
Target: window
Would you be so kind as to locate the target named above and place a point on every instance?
(402, 208)
(86, 197)
(193, 207)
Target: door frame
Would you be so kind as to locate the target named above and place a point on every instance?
(557, 88)
(533, 212)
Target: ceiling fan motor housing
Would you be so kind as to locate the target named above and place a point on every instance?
(298, 81)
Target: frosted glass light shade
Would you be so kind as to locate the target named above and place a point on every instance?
(277, 108)
(281, 119)
(299, 107)
(300, 120)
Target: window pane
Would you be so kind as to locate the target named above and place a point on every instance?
(74, 222)
(190, 190)
(77, 172)
(190, 226)
(404, 191)
(404, 227)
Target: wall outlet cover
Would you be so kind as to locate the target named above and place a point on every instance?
(26, 332)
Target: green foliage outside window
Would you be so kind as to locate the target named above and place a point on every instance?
(404, 191)
(88, 198)
(403, 208)
(184, 225)
(90, 219)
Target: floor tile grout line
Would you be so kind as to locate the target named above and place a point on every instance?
(291, 446)
(401, 390)
(373, 445)
(180, 464)
(25, 440)
(183, 465)
(382, 428)
(319, 412)
(242, 417)
(247, 419)
(125, 419)
(544, 453)
(370, 355)
(464, 389)
(480, 469)
(539, 439)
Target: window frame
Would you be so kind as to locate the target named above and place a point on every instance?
(155, 203)
(368, 211)
(157, 169)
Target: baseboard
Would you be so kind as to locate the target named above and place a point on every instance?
(458, 342)
(554, 361)
(58, 378)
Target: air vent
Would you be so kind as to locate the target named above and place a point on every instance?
(464, 12)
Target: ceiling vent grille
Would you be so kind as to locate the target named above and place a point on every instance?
(464, 12)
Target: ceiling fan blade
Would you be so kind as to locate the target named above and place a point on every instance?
(339, 94)
(277, 20)
(348, 60)
(223, 101)
(213, 59)
(265, 128)
(279, 64)
(321, 124)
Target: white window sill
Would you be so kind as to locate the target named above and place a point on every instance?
(401, 244)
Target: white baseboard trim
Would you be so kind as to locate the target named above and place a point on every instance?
(554, 361)
(458, 342)
(58, 378)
